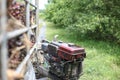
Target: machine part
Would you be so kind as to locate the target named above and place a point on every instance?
(64, 60)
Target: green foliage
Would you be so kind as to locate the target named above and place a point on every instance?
(98, 19)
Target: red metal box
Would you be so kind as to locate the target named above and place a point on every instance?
(71, 52)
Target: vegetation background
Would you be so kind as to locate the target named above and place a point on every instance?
(94, 25)
(93, 19)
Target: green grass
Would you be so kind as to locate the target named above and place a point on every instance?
(103, 58)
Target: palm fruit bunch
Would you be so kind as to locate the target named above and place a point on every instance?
(17, 50)
(17, 10)
(17, 46)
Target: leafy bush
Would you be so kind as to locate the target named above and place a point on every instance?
(96, 19)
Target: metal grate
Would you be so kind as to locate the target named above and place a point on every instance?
(5, 36)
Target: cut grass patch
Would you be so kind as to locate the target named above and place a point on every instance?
(103, 58)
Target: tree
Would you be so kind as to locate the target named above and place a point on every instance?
(98, 19)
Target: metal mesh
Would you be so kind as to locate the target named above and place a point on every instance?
(12, 51)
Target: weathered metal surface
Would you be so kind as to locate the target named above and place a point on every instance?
(3, 52)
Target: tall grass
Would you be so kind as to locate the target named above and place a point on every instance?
(103, 58)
